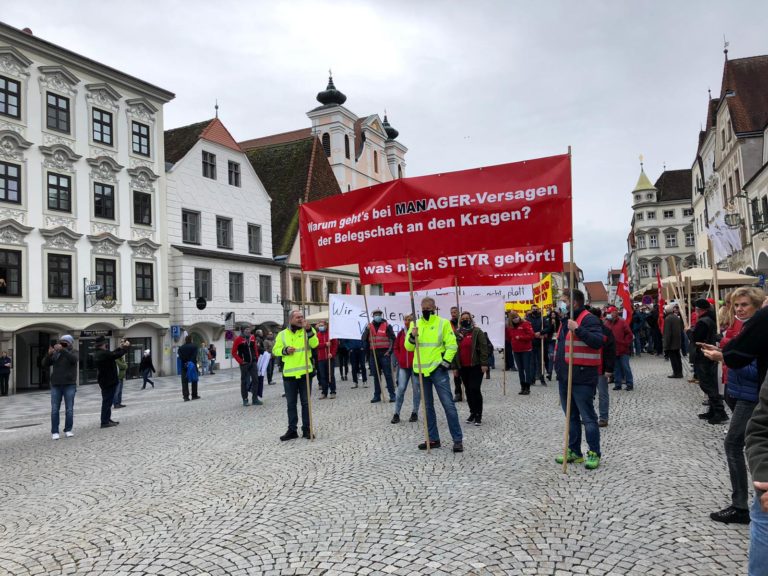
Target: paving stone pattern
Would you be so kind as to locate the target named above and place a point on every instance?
(206, 487)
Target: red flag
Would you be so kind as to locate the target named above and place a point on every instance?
(348, 289)
(661, 301)
(490, 208)
(622, 291)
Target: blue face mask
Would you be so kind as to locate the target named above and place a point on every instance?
(562, 306)
(321, 328)
(377, 317)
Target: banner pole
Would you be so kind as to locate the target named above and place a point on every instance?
(690, 305)
(715, 287)
(569, 336)
(418, 354)
(541, 340)
(306, 361)
(370, 347)
(462, 386)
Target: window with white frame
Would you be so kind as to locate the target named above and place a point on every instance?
(641, 242)
(690, 238)
(236, 287)
(265, 289)
(670, 239)
(644, 270)
(687, 212)
(59, 276)
(653, 240)
(223, 232)
(655, 268)
(10, 103)
(640, 216)
(10, 183)
(669, 214)
(651, 215)
(203, 288)
(209, 165)
(254, 238)
(144, 281)
(190, 227)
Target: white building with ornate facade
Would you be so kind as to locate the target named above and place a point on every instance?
(82, 208)
(219, 236)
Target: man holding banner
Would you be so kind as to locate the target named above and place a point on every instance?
(437, 348)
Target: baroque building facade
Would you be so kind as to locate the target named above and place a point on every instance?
(82, 207)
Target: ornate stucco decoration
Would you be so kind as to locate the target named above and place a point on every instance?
(142, 179)
(60, 238)
(141, 109)
(143, 248)
(12, 232)
(12, 145)
(58, 79)
(104, 168)
(59, 157)
(105, 243)
(13, 62)
(102, 95)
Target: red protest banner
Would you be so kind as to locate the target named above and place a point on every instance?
(437, 283)
(510, 205)
(486, 268)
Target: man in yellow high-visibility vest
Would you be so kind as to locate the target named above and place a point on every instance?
(289, 345)
(437, 347)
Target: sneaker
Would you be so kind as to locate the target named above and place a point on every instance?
(731, 515)
(245, 402)
(255, 402)
(290, 435)
(414, 417)
(55, 436)
(323, 397)
(395, 419)
(617, 387)
(458, 447)
(375, 400)
(432, 444)
(333, 395)
(593, 460)
(573, 458)
(109, 424)
(69, 434)
(470, 419)
(602, 423)
(478, 422)
(356, 385)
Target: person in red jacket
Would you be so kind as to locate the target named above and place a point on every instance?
(623, 337)
(245, 351)
(521, 340)
(405, 374)
(327, 349)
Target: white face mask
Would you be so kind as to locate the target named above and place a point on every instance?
(609, 316)
(562, 306)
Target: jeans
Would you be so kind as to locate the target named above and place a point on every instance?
(524, 368)
(582, 411)
(107, 396)
(118, 399)
(441, 380)
(249, 380)
(384, 366)
(536, 364)
(676, 361)
(637, 343)
(734, 453)
(68, 393)
(296, 388)
(622, 372)
(343, 356)
(4, 384)
(758, 540)
(509, 357)
(185, 385)
(602, 394)
(404, 375)
(492, 359)
(145, 375)
(322, 376)
(472, 376)
(549, 354)
(357, 362)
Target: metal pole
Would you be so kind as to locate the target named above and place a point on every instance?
(418, 355)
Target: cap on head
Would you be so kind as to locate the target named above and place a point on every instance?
(100, 340)
(612, 309)
(702, 304)
(376, 310)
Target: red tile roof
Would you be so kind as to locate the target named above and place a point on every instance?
(216, 132)
(745, 89)
(596, 291)
(282, 138)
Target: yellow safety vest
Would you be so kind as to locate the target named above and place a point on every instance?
(437, 342)
(298, 363)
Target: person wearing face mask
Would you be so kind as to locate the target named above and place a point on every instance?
(471, 363)
(290, 345)
(608, 357)
(522, 338)
(673, 340)
(537, 322)
(623, 337)
(437, 348)
(245, 351)
(405, 375)
(379, 339)
(458, 395)
(585, 335)
(327, 349)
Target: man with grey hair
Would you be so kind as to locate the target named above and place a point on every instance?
(673, 340)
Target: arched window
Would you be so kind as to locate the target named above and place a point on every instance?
(375, 161)
(346, 146)
(327, 144)
(399, 171)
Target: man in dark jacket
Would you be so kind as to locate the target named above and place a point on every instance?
(106, 374)
(379, 338)
(705, 332)
(245, 351)
(673, 340)
(586, 334)
(188, 353)
(609, 361)
(623, 337)
(536, 321)
(63, 358)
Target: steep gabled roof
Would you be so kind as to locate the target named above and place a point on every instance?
(292, 172)
(281, 138)
(179, 141)
(674, 185)
(745, 89)
(596, 291)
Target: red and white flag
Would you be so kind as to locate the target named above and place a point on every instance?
(661, 301)
(622, 291)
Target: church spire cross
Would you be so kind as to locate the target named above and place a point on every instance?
(216, 107)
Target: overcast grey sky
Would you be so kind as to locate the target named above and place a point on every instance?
(466, 83)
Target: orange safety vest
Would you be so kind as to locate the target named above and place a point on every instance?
(583, 355)
(378, 339)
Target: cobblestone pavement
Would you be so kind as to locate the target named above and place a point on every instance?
(206, 487)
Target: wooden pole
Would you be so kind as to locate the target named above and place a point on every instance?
(371, 348)
(462, 387)
(306, 361)
(568, 337)
(690, 304)
(679, 294)
(715, 286)
(418, 355)
(541, 340)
